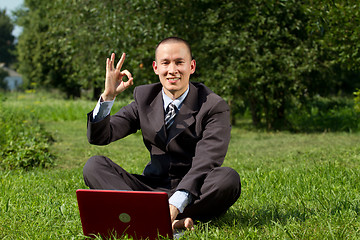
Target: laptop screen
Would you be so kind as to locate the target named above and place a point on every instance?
(138, 214)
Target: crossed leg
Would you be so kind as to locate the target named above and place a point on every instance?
(220, 190)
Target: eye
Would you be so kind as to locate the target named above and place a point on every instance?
(180, 62)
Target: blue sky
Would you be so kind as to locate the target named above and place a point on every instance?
(11, 5)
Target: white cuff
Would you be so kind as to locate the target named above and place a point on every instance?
(180, 199)
(102, 109)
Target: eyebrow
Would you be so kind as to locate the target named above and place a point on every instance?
(177, 59)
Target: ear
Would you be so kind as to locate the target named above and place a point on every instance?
(155, 68)
(192, 66)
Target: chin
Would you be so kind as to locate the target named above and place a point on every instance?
(172, 86)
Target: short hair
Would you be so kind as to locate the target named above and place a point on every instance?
(174, 39)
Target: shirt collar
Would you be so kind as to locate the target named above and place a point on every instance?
(178, 102)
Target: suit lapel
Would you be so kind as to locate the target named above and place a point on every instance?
(156, 116)
(185, 117)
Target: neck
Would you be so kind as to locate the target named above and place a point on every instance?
(174, 95)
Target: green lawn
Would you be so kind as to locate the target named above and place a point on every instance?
(294, 186)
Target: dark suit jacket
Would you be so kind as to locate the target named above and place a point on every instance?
(196, 142)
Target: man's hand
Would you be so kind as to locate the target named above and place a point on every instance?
(173, 212)
(114, 83)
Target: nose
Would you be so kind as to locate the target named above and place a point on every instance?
(172, 68)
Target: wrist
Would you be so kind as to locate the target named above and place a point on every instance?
(174, 211)
(107, 97)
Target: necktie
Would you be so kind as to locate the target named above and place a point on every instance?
(170, 114)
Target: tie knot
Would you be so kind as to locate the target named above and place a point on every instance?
(171, 107)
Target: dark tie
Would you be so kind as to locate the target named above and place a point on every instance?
(170, 114)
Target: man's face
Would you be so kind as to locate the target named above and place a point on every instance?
(174, 66)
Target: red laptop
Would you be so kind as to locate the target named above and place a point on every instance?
(117, 214)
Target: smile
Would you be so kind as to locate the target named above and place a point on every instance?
(173, 80)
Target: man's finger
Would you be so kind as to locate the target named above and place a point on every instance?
(127, 73)
(107, 65)
(121, 61)
(112, 61)
(127, 83)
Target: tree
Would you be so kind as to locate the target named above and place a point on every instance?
(337, 24)
(260, 51)
(43, 61)
(6, 38)
(3, 75)
(357, 101)
(335, 27)
(65, 43)
(261, 55)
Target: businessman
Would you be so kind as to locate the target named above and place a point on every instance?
(185, 127)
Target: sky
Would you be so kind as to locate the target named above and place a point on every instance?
(11, 5)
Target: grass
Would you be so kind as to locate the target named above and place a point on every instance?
(294, 186)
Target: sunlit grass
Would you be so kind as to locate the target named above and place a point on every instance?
(294, 186)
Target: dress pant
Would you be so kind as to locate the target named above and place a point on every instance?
(220, 189)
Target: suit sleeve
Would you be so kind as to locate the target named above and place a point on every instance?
(114, 127)
(211, 149)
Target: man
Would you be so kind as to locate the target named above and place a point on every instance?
(185, 127)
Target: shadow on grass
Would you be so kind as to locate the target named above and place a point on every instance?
(263, 216)
(257, 217)
(267, 214)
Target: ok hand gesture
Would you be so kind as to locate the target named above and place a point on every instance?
(114, 83)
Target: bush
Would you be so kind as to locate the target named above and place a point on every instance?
(23, 141)
(357, 101)
(325, 114)
(3, 75)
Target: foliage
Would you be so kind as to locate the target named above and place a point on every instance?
(24, 143)
(259, 55)
(337, 22)
(6, 38)
(357, 101)
(325, 114)
(3, 75)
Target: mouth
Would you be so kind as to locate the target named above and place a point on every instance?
(173, 80)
